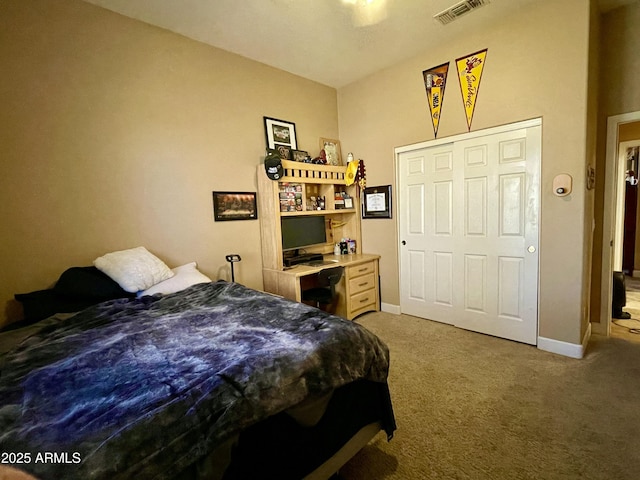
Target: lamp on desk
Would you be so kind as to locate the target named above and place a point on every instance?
(233, 258)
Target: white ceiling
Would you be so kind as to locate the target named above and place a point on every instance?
(317, 39)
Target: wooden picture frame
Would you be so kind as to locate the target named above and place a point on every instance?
(280, 132)
(234, 206)
(376, 202)
(331, 148)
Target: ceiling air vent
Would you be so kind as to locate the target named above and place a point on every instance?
(459, 9)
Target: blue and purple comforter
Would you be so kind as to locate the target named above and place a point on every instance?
(143, 388)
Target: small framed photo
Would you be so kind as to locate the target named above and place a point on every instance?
(376, 202)
(332, 150)
(299, 155)
(284, 151)
(234, 206)
(280, 132)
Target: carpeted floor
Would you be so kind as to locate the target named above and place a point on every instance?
(470, 406)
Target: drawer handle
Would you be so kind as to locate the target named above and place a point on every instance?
(364, 300)
(363, 269)
(363, 284)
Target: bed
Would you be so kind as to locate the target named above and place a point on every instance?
(213, 381)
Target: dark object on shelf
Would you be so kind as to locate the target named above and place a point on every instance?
(325, 292)
(304, 258)
(273, 165)
(619, 296)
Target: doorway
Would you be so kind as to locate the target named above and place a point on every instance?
(469, 230)
(630, 151)
(613, 215)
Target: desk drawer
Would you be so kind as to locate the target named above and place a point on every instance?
(362, 269)
(360, 284)
(363, 301)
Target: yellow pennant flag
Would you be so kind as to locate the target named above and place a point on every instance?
(469, 74)
(434, 82)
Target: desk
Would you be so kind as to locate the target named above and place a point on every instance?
(357, 291)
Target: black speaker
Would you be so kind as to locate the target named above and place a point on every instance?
(619, 296)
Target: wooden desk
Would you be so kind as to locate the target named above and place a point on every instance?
(358, 290)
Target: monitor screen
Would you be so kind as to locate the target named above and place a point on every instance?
(298, 232)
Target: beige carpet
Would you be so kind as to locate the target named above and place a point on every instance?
(470, 406)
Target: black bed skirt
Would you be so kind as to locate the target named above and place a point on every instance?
(279, 447)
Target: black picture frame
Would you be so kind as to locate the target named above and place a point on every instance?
(280, 132)
(284, 151)
(376, 202)
(234, 206)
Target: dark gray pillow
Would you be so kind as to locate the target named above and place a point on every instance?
(44, 303)
(88, 282)
(76, 289)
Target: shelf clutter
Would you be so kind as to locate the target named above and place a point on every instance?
(306, 189)
(320, 194)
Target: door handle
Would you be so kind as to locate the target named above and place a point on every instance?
(403, 242)
(531, 249)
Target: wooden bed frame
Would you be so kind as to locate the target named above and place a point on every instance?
(346, 453)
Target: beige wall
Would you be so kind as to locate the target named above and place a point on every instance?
(537, 66)
(620, 61)
(619, 93)
(591, 158)
(629, 131)
(114, 134)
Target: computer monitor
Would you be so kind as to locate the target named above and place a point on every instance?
(303, 231)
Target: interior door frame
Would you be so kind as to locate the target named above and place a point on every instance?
(611, 218)
(534, 122)
(621, 203)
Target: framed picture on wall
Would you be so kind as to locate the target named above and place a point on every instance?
(376, 202)
(234, 206)
(332, 150)
(280, 133)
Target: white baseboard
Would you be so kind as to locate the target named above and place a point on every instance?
(564, 348)
(547, 344)
(390, 308)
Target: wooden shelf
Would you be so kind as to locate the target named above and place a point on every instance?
(312, 173)
(314, 180)
(358, 291)
(317, 212)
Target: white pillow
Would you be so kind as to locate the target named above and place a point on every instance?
(184, 276)
(134, 269)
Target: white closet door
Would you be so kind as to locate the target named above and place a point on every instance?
(469, 233)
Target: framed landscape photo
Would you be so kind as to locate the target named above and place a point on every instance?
(280, 132)
(234, 206)
(376, 202)
(332, 150)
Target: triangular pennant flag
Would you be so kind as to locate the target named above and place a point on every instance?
(469, 74)
(434, 82)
